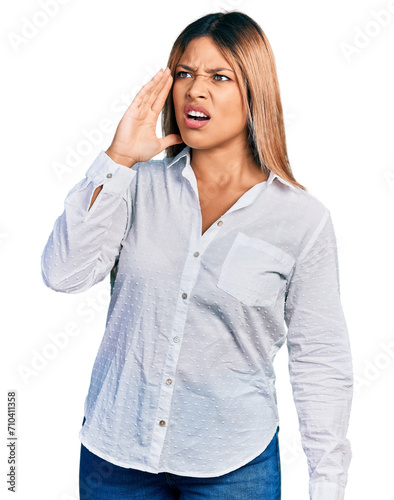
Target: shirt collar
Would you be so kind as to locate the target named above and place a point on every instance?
(186, 153)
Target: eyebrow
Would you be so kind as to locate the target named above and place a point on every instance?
(214, 70)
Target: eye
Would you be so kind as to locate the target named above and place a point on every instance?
(182, 73)
(222, 76)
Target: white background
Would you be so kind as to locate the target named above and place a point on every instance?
(84, 65)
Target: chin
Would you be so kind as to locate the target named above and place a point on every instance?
(191, 139)
(196, 144)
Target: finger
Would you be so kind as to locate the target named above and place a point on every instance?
(147, 88)
(162, 96)
(158, 88)
(150, 97)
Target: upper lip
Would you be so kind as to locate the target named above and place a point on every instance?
(190, 107)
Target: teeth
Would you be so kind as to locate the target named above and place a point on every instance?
(197, 113)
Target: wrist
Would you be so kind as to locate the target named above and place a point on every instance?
(120, 159)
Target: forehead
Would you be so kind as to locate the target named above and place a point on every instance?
(203, 53)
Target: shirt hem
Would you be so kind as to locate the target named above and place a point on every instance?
(147, 468)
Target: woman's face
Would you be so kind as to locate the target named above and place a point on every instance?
(204, 78)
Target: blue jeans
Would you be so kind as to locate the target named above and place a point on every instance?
(259, 479)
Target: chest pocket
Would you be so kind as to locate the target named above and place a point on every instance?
(255, 271)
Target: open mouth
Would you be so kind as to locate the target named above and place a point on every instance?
(198, 118)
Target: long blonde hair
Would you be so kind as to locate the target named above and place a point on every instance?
(245, 46)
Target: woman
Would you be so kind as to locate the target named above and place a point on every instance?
(218, 256)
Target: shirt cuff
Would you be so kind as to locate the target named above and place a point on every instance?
(115, 178)
(324, 490)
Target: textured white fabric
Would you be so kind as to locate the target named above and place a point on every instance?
(323, 490)
(183, 380)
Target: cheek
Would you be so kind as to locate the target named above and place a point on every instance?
(234, 113)
(176, 95)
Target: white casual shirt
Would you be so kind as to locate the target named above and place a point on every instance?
(183, 381)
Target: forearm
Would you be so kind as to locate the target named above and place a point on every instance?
(86, 240)
(117, 159)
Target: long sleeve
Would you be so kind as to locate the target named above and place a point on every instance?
(320, 363)
(84, 244)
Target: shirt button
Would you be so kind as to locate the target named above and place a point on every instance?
(176, 339)
(168, 381)
(184, 295)
(220, 223)
(196, 254)
(162, 422)
(109, 176)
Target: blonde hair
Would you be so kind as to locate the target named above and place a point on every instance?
(245, 46)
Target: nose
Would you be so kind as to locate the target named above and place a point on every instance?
(197, 87)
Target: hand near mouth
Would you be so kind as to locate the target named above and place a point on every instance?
(135, 138)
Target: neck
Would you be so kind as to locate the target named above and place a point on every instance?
(227, 166)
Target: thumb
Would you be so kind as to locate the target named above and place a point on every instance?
(170, 140)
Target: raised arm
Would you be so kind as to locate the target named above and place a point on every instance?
(135, 137)
(87, 237)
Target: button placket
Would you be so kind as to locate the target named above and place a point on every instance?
(188, 278)
(209, 236)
